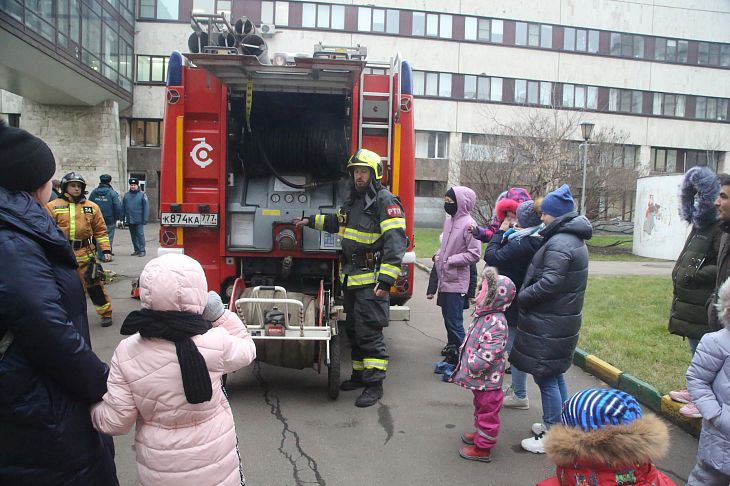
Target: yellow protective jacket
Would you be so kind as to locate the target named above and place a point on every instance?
(80, 221)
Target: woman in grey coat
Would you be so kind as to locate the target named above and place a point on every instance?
(708, 381)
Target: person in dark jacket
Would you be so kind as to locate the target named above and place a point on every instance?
(111, 208)
(511, 254)
(55, 189)
(136, 211)
(722, 203)
(49, 376)
(551, 304)
(694, 274)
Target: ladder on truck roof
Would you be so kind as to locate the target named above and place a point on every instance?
(392, 69)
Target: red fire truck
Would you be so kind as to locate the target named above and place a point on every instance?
(250, 145)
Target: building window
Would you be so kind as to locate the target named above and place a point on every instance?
(582, 97)
(432, 84)
(627, 45)
(711, 108)
(663, 160)
(431, 25)
(714, 54)
(377, 20)
(625, 100)
(485, 30)
(482, 88)
(213, 6)
(432, 145)
(152, 69)
(533, 92)
(668, 104)
(535, 35)
(277, 13)
(708, 158)
(581, 40)
(145, 133)
(159, 9)
(671, 50)
(430, 188)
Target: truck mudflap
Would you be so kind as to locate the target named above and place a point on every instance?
(397, 313)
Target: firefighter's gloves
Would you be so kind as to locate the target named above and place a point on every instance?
(214, 309)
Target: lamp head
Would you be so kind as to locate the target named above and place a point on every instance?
(586, 128)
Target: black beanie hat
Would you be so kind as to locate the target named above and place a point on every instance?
(105, 178)
(26, 162)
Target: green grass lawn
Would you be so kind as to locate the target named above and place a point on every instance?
(600, 247)
(625, 323)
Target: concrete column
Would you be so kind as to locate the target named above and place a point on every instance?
(83, 139)
(454, 177)
(644, 163)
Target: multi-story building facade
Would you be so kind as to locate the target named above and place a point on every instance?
(658, 74)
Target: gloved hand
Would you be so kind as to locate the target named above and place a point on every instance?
(214, 309)
(475, 230)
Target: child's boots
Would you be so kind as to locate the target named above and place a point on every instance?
(474, 453)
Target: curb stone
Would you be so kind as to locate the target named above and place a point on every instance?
(644, 392)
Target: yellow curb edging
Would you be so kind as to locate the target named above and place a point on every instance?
(603, 370)
(670, 409)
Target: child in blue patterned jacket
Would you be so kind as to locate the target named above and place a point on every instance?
(482, 362)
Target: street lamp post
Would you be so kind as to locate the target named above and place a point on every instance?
(586, 128)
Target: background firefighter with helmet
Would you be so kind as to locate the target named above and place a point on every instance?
(82, 222)
(373, 244)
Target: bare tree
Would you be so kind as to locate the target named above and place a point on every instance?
(539, 152)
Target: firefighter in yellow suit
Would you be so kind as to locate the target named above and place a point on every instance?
(82, 222)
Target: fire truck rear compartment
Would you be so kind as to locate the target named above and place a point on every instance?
(302, 133)
(296, 138)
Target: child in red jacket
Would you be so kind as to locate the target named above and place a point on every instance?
(605, 441)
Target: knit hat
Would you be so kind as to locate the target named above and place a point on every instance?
(596, 408)
(558, 202)
(526, 214)
(105, 178)
(504, 206)
(26, 162)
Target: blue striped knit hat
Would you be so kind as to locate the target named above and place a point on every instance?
(595, 408)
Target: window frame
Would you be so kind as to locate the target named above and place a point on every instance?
(150, 57)
(277, 8)
(440, 141)
(148, 122)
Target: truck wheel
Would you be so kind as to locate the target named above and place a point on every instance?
(333, 371)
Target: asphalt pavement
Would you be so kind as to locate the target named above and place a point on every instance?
(291, 433)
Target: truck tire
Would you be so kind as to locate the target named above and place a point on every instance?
(333, 371)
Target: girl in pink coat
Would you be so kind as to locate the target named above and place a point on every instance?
(166, 379)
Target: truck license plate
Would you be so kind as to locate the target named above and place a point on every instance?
(189, 219)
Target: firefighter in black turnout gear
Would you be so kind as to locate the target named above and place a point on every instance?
(373, 244)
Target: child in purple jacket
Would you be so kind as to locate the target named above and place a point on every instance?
(458, 251)
(482, 361)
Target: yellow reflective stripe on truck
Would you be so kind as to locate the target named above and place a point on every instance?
(179, 171)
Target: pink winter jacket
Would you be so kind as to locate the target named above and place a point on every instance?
(177, 443)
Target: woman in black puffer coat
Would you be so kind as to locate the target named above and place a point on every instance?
(551, 304)
(49, 377)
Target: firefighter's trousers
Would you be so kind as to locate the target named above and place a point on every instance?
(367, 315)
(97, 294)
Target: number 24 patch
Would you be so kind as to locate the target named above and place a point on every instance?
(394, 211)
(88, 210)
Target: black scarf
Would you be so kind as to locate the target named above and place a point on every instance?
(177, 327)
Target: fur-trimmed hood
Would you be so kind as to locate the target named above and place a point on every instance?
(642, 441)
(703, 183)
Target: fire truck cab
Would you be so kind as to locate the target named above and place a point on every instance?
(249, 146)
